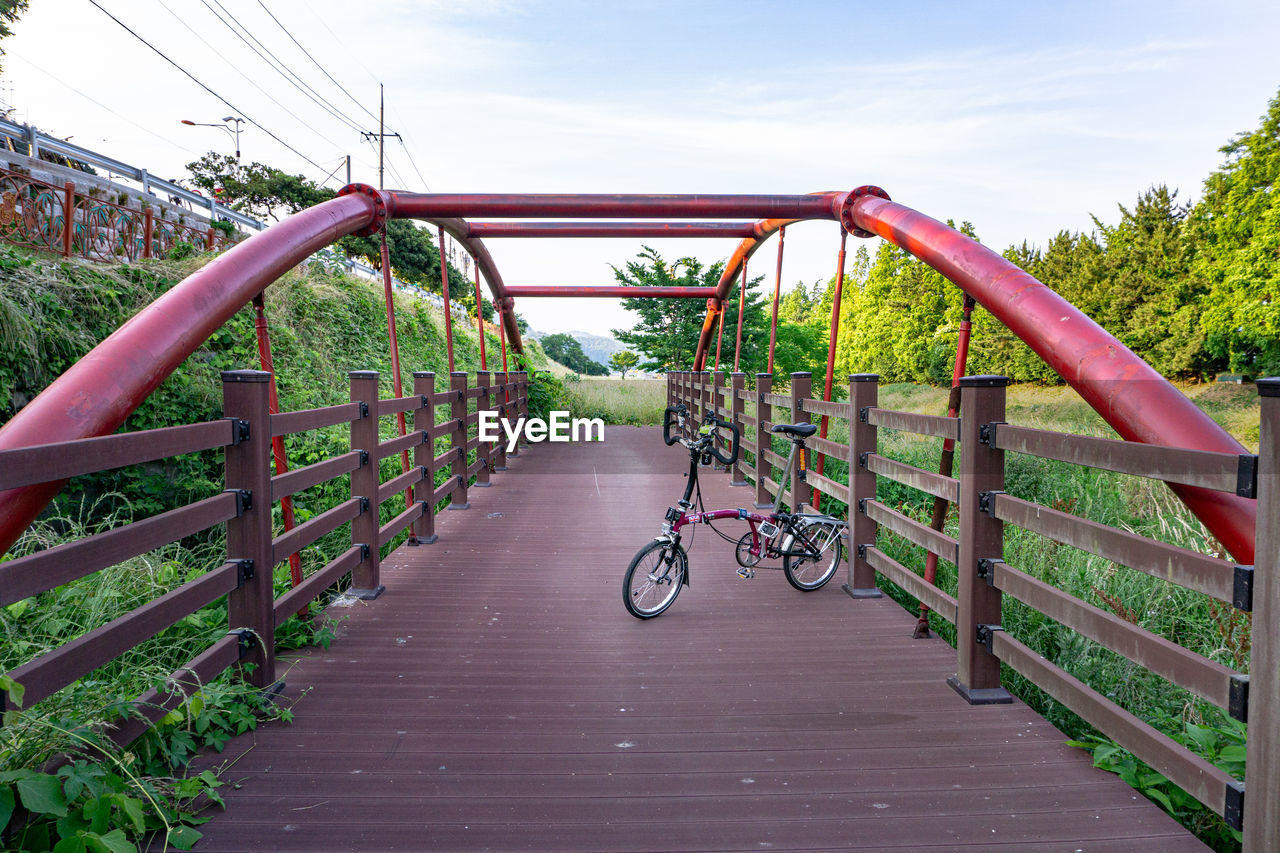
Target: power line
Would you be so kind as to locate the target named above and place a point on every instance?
(314, 61)
(247, 78)
(276, 64)
(98, 103)
(195, 80)
(414, 163)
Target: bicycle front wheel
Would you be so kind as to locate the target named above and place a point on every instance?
(820, 541)
(654, 579)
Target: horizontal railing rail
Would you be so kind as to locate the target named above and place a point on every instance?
(246, 577)
(977, 550)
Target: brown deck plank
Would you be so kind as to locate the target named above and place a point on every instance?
(498, 696)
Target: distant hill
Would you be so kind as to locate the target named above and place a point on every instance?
(599, 348)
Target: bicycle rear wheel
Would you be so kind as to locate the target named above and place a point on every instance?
(654, 578)
(821, 542)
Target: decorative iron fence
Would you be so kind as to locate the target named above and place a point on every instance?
(44, 216)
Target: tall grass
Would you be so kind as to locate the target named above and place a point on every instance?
(638, 402)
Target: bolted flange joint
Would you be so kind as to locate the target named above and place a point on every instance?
(846, 209)
(379, 207)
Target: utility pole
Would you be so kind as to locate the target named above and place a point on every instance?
(382, 138)
(348, 170)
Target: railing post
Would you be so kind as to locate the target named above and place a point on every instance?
(458, 410)
(364, 485)
(764, 385)
(504, 410)
(801, 385)
(704, 395)
(977, 676)
(717, 386)
(208, 239)
(424, 528)
(68, 217)
(1262, 749)
(517, 408)
(148, 231)
(484, 450)
(864, 394)
(250, 607)
(737, 384)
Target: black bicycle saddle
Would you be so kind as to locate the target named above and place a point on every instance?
(798, 430)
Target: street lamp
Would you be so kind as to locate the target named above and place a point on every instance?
(234, 134)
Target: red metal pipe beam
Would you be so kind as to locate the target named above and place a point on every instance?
(99, 391)
(596, 206)
(614, 291)
(1131, 396)
(612, 229)
(459, 230)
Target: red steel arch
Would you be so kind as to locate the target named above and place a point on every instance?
(98, 392)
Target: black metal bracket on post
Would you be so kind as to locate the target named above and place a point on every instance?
(426, 401)
(364, 410)
(1233, 812)
(862, 505)
(364, 551)
(862, 458)
(245, 640)
(1242, 588)
(1238, 703)
(985, 634)
(987, 502)
(244, 571)
(364, 458)
(1247, 476)
(864, 414)
(987, 569)
(987, 433)
(244, 500)
(799, 405)
(862, 552)
(239, 430)
(364, 504)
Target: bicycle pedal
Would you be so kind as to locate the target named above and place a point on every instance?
(746, 574)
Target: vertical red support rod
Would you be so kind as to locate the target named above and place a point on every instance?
(480, 318)
(742, 301)
(719, 339)
(777, 291)
(831, 355)
(277, 443)
(396, 385)
(947, 461)
(444, 286)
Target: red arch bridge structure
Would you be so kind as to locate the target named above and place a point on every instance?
(488, 692)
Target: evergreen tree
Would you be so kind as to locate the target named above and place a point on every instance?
(1236, 243)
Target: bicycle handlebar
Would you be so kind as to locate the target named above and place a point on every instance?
(737, 437)
(680, 411)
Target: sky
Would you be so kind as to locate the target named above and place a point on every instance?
(1021, 118)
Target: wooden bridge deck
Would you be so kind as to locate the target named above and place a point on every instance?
(498, 696)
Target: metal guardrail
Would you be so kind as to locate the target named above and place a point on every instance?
(38, 141)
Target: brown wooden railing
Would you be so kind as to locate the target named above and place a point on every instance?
(245, 507)
(984, 578)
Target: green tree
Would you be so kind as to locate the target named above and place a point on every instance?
(566, 350)
(1235, 230)
(269, 193)
(624, 361)
(668, 330)
(1152, 302)
(9, 12)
